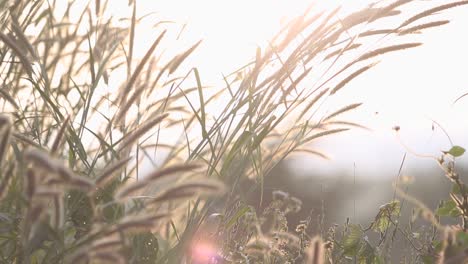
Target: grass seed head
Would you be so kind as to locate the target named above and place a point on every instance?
(316, 251)
(41, 159)
(126, 191)
(59, 136)
(109, 172)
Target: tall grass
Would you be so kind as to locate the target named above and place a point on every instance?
(73, 142)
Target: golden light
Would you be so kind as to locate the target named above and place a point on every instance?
(203, 252)
(230, 30)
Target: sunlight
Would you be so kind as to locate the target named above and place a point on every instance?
(203, 252)
(231, 30)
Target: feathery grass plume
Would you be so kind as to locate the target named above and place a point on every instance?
(106, 245)
(133, 78)
(35, 213)
(7, 176)
(392, 48)
(316, 251)
(376, 32)
(5, 121)
(124, 191)
(207, 187)
(5, 133)
(350, 78)
(366, 16)
(319, 33)
(394, 5)
(97, 4)
(59, 136)
(108, 257)
(173, 195)
(175, 63)
(80, 183)
(5, 95)
(40, 159)
(431, 12)
(418, 28)
(59, 212)
(342, 51)
(109, 172)
(30, 183)
(131, 38)
(22, 39)
(341, 111)
(297, 26)
(312, 102)
(74, 181)
(47, 192)
(51, 166)
(313, 152)
(371, 14)
(27, 64)
(94, 256)
(131, 137)
(324, 133)
(295, 83)
(25, 139)
(135, 224)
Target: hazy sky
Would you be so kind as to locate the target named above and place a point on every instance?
(407, 89)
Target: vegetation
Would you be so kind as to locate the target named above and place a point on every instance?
(73, 143)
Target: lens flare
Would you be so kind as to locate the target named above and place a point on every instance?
(204, 252)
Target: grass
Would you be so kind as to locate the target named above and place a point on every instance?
(72, 146)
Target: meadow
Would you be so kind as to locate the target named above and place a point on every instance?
(109, 157)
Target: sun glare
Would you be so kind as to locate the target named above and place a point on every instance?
(203, 252)
(230, 30)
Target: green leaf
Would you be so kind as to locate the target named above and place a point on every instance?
(456, 189)
(455, 213)
(382, 219)
(237, 216)
(446, 208)
(367, 254)
(456, 151)
(351, 242)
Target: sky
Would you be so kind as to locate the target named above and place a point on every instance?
(411, 89)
